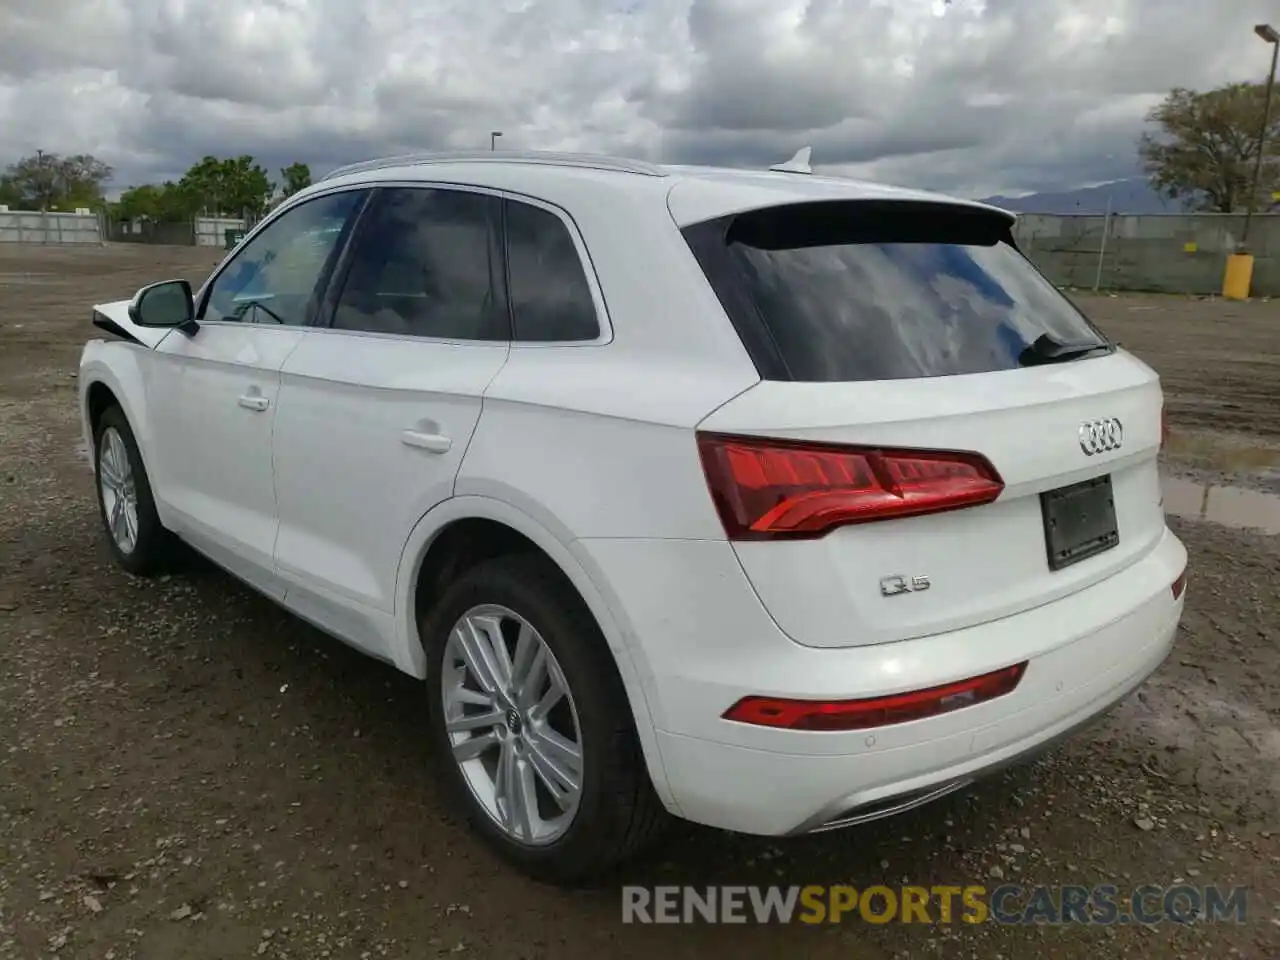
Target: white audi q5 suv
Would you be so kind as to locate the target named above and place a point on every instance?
(768, 500)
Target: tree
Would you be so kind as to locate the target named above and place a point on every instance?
(48, 181)
(233, 186)
(10, 195)
(1206, 147)
(165, 201)
(295, 177)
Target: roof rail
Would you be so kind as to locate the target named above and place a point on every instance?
(585, 160)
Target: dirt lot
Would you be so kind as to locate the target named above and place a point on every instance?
(185, 771)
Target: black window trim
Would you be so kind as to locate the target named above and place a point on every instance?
(322, 281)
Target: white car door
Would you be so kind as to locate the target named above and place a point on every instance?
(216, 389)
(379, 400)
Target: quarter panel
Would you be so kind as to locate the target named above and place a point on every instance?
(595, 443)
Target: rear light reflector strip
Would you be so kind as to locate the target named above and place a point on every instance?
(1180, 585)
(768, 489)
(834, 715)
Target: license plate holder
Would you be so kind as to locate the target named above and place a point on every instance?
(1079, 521)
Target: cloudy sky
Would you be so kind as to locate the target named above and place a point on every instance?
(973, 97)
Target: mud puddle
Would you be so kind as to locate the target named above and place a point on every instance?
(1222, 504)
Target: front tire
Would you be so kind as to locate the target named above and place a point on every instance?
(530, 719)
(137, 538)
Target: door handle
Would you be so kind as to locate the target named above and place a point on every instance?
(431, 442)
(254, 401)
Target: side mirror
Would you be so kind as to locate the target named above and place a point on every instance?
(165, 304)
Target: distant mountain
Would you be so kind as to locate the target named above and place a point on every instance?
(1125, 196)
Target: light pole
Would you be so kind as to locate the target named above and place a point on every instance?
(44, 187)
(493, 139)
(1271, 36)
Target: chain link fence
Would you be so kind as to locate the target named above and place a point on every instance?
(1163, 253)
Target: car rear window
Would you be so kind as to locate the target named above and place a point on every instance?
(881, 290)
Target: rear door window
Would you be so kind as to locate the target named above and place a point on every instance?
(846, 291)
(423, 264)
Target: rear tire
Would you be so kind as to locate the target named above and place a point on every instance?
(137, 538)
(573, 819)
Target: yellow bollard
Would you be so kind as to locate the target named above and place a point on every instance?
(1239, 275)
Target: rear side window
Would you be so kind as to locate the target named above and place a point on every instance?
(845, 291)
(423, 265)
(550, 297)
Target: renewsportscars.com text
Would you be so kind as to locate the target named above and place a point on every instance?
(1006, 904)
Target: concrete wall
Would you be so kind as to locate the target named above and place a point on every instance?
(1170, 253)
(21, 226)
(212, 231)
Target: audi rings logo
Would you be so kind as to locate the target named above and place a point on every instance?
(1101, 436)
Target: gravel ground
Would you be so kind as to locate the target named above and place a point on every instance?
(186, 771)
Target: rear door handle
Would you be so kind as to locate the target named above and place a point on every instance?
(431, 442)
(254, 401)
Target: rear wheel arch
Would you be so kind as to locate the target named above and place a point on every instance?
(497, 524)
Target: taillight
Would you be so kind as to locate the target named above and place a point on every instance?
(766, 489)
(875, 711)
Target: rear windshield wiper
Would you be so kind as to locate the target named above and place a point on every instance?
(1046, 349)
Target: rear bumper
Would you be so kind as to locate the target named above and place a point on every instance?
(704, 641)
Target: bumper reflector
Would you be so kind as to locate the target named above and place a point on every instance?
(870, 712)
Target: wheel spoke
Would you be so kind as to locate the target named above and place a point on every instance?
(107, 467)
(478, 654)
(554, 693)
(119, 458)
(475, 721)
(530, 667)
(131, 523)
(474, 747)
(522, 799)
(502, 784)
(560, 783)
(490, 630)
(472, 697)
(116, 520)
(564, 755)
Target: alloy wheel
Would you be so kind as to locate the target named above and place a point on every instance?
(118, 489)
(512, 724)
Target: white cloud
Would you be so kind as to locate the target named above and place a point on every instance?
(975, 96)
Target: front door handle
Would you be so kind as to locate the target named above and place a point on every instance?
(254, 401)
(431, 442)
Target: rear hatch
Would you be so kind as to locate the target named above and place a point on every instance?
(940, 438)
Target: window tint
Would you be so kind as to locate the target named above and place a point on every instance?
(550, 297)
(864, 291)
(422, 266)
(274, 275)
